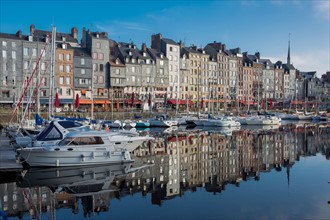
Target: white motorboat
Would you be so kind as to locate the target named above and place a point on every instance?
(84, 148)
(162, 121)
(263, 120)
(221, 122)
(52, 134)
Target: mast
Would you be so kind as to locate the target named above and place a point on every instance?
(92, 96)
(52, 75)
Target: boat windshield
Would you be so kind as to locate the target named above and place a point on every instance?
(81, 141)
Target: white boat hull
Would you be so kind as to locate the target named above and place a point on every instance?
(70, 156)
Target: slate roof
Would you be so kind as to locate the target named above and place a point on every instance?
(125, 50)
(81, 52)
(12, 36)
(156, 54)
(59, 36)
(169, 41)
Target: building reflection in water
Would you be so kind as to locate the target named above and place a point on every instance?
(181, 161)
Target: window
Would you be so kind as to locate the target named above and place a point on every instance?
(13, 54)
(101, 67)
(101, 80)
(60, 56)
(5, 67)
(61, 80)
(117, 71)
(34, 52)
(83, 71)
(61, 68)
(26, 65)
(68, 92)
(82, 61)
(68, 69)
(14, 80)
(68, 57)
(14, 66)
(4, 54)
(98, 45)
(43, 66)
(43, 52)
(133, 69)
(94, 56)
(171, 49)
(170, 58)
(26, 51)
(68, 80)
(95, 67)
(133, 78)
(161, 71)
(4, 43)
(13, 44)
(101, 56)
(175, 58)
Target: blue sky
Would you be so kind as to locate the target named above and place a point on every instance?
(262, 26)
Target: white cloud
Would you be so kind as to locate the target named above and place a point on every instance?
(322, 9)
(133, 26)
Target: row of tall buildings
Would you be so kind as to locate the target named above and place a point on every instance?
(100, 69)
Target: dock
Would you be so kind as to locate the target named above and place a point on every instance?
(8, 162)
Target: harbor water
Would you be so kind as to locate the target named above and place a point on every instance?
(252, 172)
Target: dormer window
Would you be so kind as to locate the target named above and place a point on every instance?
(63, 46)
(130, 53)
(97, 35)
(117, 61)
(63, 39)
(147, 61)
(144, 54)
(161, 56)
(127, 59)
(30, 38)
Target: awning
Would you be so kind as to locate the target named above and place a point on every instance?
(247, 102)
(180, 102)
(83, 91)
(89, 102)
(174, 139)
(135, 102)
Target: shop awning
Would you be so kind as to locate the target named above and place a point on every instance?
(136, 102)
(89, 102)
(180, 102)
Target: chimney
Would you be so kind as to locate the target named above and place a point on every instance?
(32, 29)
(223, 47)
(156, 41)
(257, 54)
(144, 47)
(19, 33)
(74, 33)
(105, 34)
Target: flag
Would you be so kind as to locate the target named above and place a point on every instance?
(149, 100)
(57, 101)
(132, 99)
(39, 120)
(165, 100)
(271, 103)
(202, 103)
(77, 101)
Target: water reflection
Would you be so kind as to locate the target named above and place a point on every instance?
(183, 160)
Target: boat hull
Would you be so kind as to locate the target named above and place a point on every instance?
(42, 157)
